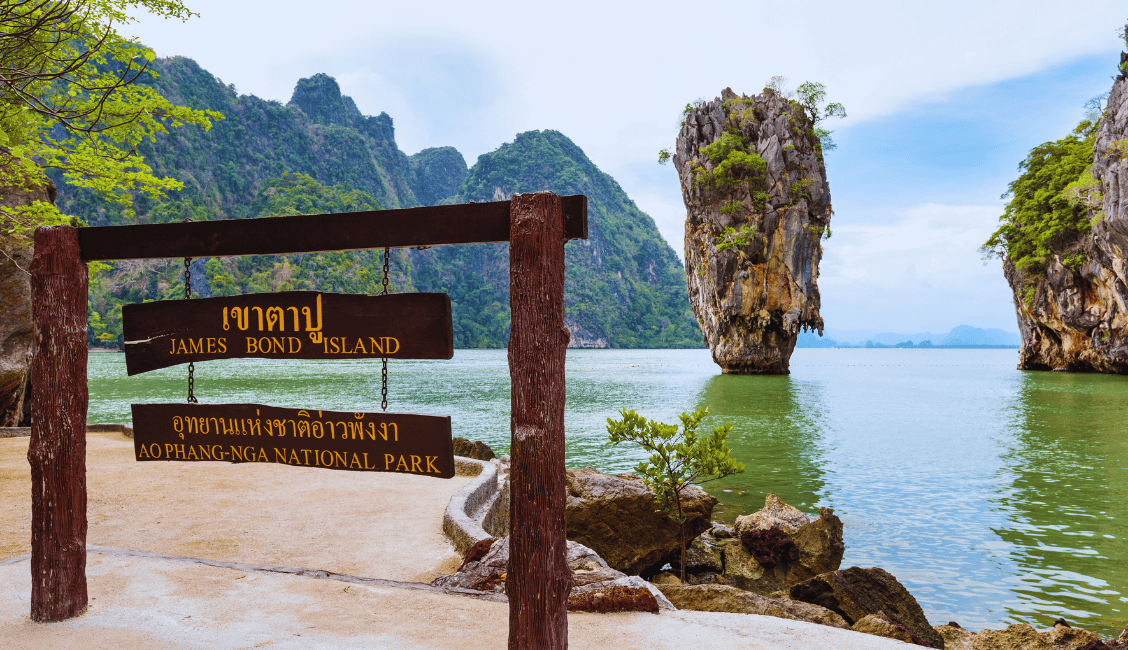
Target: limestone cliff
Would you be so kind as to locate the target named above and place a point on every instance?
(15, 313)
(1076, 319)
(757, 205)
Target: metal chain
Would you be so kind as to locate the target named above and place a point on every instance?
(188, 294)
(191, 366)
(384, 361)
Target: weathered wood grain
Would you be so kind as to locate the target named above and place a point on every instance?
(406, 443)
(57, 449)
(287, 325)
(539, 580)
(468, 223)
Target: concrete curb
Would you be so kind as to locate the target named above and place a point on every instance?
(479, 510)
(124, 429)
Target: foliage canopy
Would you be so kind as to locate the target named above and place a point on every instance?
(69, 102)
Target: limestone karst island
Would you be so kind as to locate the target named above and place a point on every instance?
(382, 327)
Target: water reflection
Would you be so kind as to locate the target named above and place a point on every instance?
(777, 431)
(1068, 468)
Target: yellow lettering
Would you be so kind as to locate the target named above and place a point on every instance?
(321, 458)
(252, 346)
(265, 348)
(333, 343)
(218, 453)
(388, 458)
(173, 346)
(280, 456)
(388, 341)
(196, 346)
(182, 349)
(355, 461)
(177, 424)
(225, 325)
(430, 466)
(223, 346)
(295, 310)
(415, 460)
(205, 453)
(359, 346)
(211, 346)
(294, 457)
(376, 347)
(305, 454)
(366, 462)
(341, 458)
(259, 310)
(143, 452)
(262, 456)
(192, 453)
(402, 463)
(292, 341)
(279, 345)
(155, 450)
(168, 450)
(236, 453)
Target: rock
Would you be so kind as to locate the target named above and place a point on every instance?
(1071, 638)
(775, 513)
(1016, 637)
(721, 531)
(855, 593)
(1123, 638)
(477, 449)
(614, 515)
(752, 299)
(595, 586)
(721, 598)
(955, 637)
(709, 578)
(770, 547)
(819, 544)
(1074, 318)
(665, 578)
(877, 625)
(15, 318)
(699, 558)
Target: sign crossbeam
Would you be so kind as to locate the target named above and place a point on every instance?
(468, 223)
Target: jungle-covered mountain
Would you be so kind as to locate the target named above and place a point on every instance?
(319, 154)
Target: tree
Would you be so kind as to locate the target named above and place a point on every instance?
(677, 460)
(69, 101)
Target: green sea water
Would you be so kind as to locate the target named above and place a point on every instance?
(996, 496)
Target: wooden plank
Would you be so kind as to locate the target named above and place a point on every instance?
(57, 449)
(539, 580)
(406, 443)
(467, 223)
(287, 325)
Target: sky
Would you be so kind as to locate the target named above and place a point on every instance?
(943, 101)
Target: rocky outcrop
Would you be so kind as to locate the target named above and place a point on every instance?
(856, 593)
(1076, 319)
(614, 515)
(757, 205)
(789, 547)
(721, 598)
(477, 450)
(595, 585)
(880, 625)
(15, 317)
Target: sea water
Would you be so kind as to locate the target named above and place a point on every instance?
(994, 495)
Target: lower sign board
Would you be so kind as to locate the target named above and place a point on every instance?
(287, 325)
(252, 433)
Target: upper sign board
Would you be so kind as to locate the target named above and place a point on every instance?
(287, 325)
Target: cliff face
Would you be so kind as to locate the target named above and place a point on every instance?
(1077, 320)
(757, 205)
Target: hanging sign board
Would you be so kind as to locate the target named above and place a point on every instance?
(252, 433)
(287, 325)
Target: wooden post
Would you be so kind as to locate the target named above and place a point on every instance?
(538, 580)
(57, 452)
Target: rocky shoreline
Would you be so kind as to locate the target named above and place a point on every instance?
(776, 562)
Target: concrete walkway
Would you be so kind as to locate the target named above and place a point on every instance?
(190, 555)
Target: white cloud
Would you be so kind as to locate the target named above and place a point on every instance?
(922, 271)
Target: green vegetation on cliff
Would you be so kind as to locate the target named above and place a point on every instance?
(624, 286)
(319, 154)
(1048, 211)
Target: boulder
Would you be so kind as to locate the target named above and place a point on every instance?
(705, 579)
(615, 516)
(700, 557)
(775, 513)
(855, 593)
(878, 625)
(477, 449)
(595, 586)
(1069, 638)
(722, 598)
(820, 550)
(955, 637)
(1016, 637)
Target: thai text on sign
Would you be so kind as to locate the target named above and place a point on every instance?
(287, 325)
(252, 433)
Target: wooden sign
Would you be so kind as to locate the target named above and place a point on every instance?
(287, 325)
(252, 433)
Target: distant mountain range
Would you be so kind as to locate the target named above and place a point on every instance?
(962, 336)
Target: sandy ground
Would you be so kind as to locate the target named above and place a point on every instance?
(374, 525)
